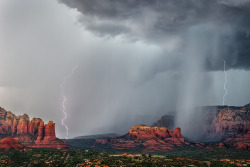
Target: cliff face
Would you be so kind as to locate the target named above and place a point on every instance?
(147, 138)
(227, 124)
(231, 125)
(32, 133)
(142, 132)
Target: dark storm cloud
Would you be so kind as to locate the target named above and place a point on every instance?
(137, 60)
(155, 21)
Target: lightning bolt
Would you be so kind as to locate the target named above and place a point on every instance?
(65, 99)
(225, 83)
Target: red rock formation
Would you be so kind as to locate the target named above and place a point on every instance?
(229, 122)
(25, 140)
(56, 143)
(14, 126)
(10, 143)
(141, 132)
(32, 133)
(46, 137)
(49, 131)
(231, 125)
(226, 124)
(40, 132)
(1, 130)
(33, 126)
(22, 127)
(148, 138)
(177, 133)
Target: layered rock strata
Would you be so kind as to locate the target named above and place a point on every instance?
(228, 125)
(147, 138)
(31, 133)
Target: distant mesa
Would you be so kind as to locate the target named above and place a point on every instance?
(10, 144)
(148, 139)
(30, 133)
(139, 138)
(228, 125)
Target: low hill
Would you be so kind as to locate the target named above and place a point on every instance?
(10, 144)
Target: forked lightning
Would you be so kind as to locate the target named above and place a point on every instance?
(64, 101)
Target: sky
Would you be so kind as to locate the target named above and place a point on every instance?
(137, 60)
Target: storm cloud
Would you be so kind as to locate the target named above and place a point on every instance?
(137, 60)
(227, 24)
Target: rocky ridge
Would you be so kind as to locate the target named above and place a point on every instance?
(31, 133)
(147, 138)
(228, 125)
(231, 125)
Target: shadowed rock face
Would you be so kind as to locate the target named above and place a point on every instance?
(231, 125)
(229, 122)
(166, 121)
(147, 138)
(32, 133)
(34, 125)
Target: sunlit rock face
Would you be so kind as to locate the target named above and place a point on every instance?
(147, 138)
(31, 133)
(141, 132)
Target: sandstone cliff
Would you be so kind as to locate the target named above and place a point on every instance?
(147, 138)
(31, 133)
(228, 122)
(229, 125)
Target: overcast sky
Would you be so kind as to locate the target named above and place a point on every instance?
(137, 59)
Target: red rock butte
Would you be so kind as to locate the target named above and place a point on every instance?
(30, 133)
(148, 138)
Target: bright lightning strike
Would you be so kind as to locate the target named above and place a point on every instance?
(65, 99)
(225, 82)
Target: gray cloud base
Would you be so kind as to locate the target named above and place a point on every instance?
(155, 21)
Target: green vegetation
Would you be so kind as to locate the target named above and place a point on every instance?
(209, 153)
(72, 157)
